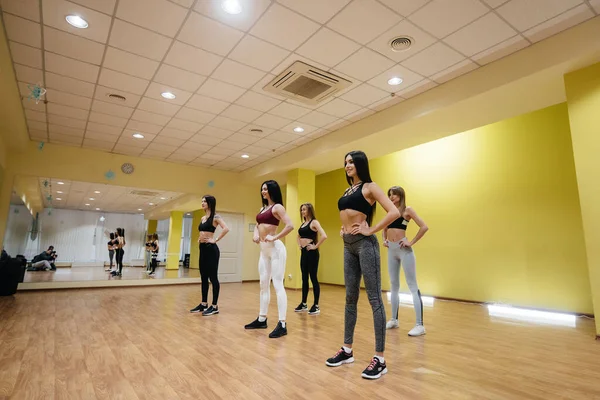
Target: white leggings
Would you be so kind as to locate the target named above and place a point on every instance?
(271, 265)
(404, 256)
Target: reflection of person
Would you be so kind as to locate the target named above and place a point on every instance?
(148, 253)
(209, 255)
(309, 259)
(111, 251)
(154, 249)
(45, 259)
(361, 257)
(120, 243)
(271, 264)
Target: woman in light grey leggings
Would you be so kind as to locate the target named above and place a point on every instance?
(400, 253)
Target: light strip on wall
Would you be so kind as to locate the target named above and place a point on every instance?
(406, 298)
(533, 316)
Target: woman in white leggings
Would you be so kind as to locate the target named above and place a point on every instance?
(271, 264)
(400, 253)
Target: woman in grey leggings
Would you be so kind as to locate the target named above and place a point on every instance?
(361, 257)
(400, 252)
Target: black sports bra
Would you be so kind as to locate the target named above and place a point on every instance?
(400, 223)
(206, 227)
(355, 201)
(306, 233)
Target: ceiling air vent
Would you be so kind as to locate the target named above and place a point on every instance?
(144, 193)
(306, 84)
(401, 43)
(116, 97)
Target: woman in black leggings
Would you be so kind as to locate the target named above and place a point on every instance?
(154, 253)
(119, 252)
(309, 259)
(361, 257)
(209, 255)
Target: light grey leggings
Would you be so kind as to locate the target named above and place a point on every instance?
(361, 257)
(404, 256)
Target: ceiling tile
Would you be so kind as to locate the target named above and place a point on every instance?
(219, 151)
(195, 147)
(209, 34)
(128, 63)
(158, 15)
(105, 129)
(362, 114)
(26, 55)
(104, 6)
(227, 123)
(328, 47)
(207, 104)
(339, 108)
(237, 74)
(64, 130)
(128, 151)
(524, 14)
(364, 95)
(35, 116)
(433, 59)
(38, 135)
(151, 118)
(257, 101)
(178, 78)
(409, 78)
(247, 49)
(442, 17)
(174, 133)
(159, 107)
(251, 11)
(339, 124)
(214, 132)
(289, 111)
(23, 31)
(54, 12)
(72, 68)
(28, 75)
(23, 8)
(269, 144)
(255, 151)
(283, 137)
(363, 20)
(404, 7)
(482, 34)
(73, 46)
(231, 145)
(97, 144)
(317, 119)
(495, 3)
(242, 138)
(420, 40)
(292, 58)
(417, 88)
(454, 71)
(501, 50)
(184, 125)
(65, 139)
(364, 64)
(256, 130)
(65, 111)
(104, 137)
(272, 121)
(283, 27)
(170, 141)
(111, 109)
(138, 40)
(126, 140)
(143, 127)
(181, 157)
(595, 5)
(69, 85)
(107, 119)
(37, 125)
(317, 10)
(155, 91)
(122, 81)
(220, 90)
(102, 93)
(558, 24)
(215, 157)
(241, 113)
(192, 59)
(67, 99)
(206, 139)
(200, 117)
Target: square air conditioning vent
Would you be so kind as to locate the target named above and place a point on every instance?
(306, 84)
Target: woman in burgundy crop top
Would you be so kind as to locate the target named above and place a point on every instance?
(209, 255)
(271, 265)
(361, 257)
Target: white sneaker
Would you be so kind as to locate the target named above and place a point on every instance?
(391, 324)
(418, 330)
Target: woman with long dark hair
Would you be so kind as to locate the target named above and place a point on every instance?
(111, 252)
(154, 255)
(271, 264)
(308, 233)
(361, 257)
(400, 252)
(209, 255)
(120, 243)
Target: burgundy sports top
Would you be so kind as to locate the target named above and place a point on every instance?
(267, 217)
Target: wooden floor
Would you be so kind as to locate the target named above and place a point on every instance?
(82, 274)
(142, 343)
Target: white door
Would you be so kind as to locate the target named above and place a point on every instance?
(230, 264)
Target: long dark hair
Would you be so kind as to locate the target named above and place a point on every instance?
(112, 236)
(311, 210)
(274, 193)
(398, 191)
(212, 206)
(155, 236)
(121, 232)
(361, 164)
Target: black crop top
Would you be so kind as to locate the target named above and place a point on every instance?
(400, 223)
(306, 233)
(355, 201)
(206, 227)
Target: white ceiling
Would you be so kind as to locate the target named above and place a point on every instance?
(83, 196)
(217, 65)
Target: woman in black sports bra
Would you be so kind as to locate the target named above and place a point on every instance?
(209, 255)
(361, 257)
(309, 259)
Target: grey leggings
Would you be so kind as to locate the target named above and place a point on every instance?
(361, 257)
(404, 256)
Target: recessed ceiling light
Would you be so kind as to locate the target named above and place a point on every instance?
(59, 192)
(58, 198)
(245, 156)
(299, 129)
(395, 81)
(150, 204)
(96, 191)
(97, 209)
(163, 198)
(168, 95)
(138, 136)
(77, 21)
(91, 198)
(60, 183)
(231, 6)
(139, 209)
(87, 204)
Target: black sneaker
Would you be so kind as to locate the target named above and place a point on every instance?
(301, 307)
(279, 331)
(314, 310)
(210, 311)
(375, 369)
(199, 308)
(256, 324)
(341, 357)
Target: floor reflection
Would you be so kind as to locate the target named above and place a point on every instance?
(78, 274)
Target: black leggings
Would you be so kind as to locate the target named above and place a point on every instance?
(153, 264)
(309, 264)
(119, 259)
(209, 268)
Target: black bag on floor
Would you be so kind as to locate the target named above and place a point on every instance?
(12, 271)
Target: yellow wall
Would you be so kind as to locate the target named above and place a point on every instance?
(502, 205)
